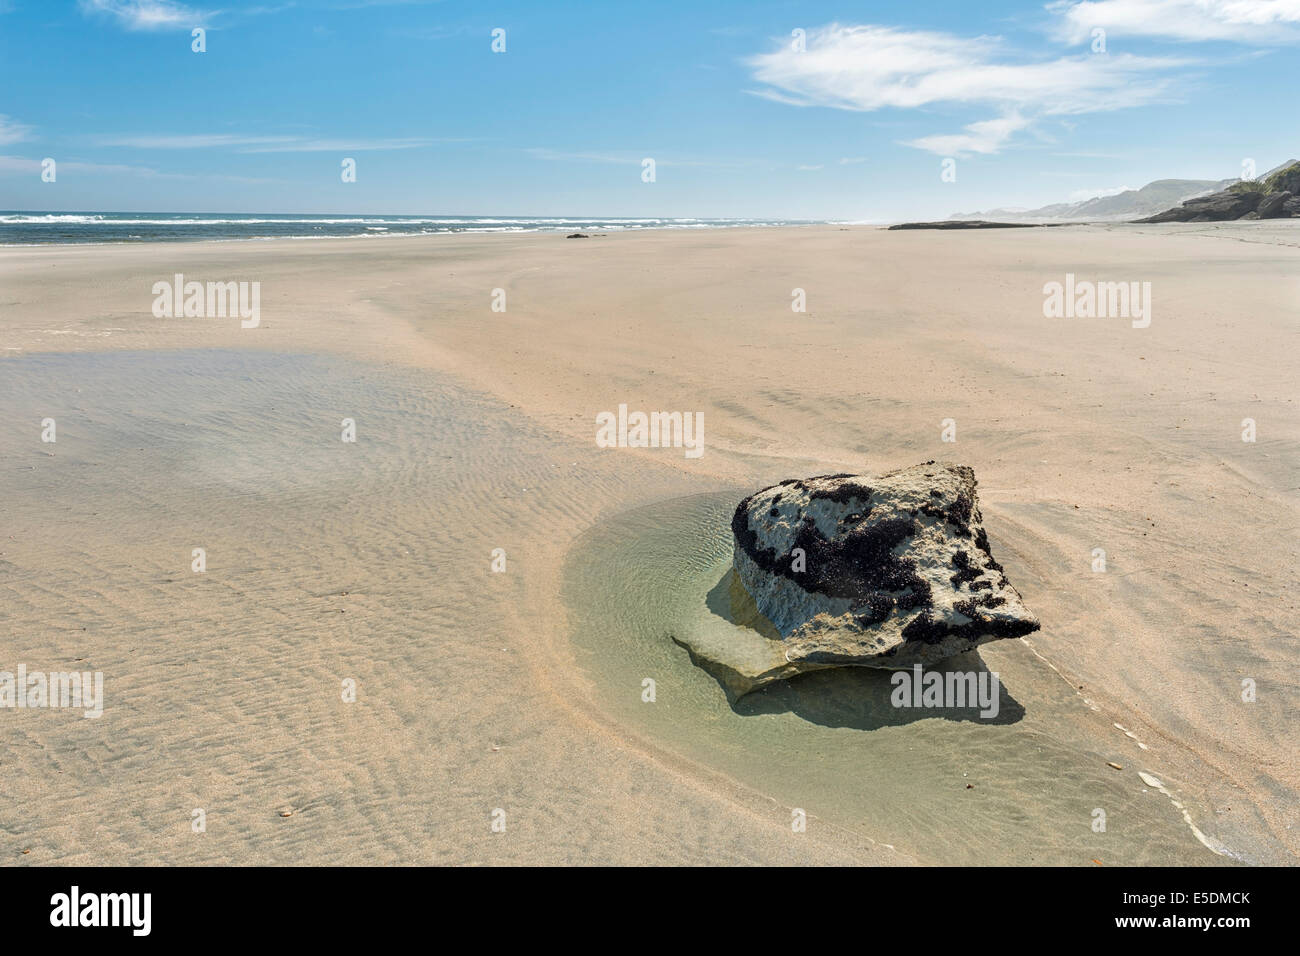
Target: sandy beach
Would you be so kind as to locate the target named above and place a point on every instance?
(516, 695)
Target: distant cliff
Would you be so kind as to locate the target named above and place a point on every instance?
(1275, 196)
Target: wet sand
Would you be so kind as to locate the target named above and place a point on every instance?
(371, 561)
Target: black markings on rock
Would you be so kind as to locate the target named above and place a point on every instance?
(965, 570)
(842, 493)
(858, 566)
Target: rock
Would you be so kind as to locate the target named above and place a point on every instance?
(964, 224)
(577, 235)
(1216, 207)
(1270, 207)
(1285, 179)
(1292, 206)
(1241, 199)
(850, 570)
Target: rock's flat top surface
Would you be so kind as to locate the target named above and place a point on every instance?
(852, 570)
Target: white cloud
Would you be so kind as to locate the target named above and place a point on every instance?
(343, 145)
(147, 14)
(186, 141)
(986, 136)
(624, 159)
(808, 169)
(852, 160)
(1260, 22)
(11, 131)
(556, 155)
(866, 68)
(21, 164)
(263, 144)
(872, 67)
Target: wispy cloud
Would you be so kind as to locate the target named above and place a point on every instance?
(566, 156)
(852, 160)
(625, 159)
(434, 33)
(347, 145)
(872, 67)
(188, 141)
(267, 144)
(364, 4)
(1256, 22)
(866, 68)
(22, 164)
(147, 14)
(11, 131)
(985, 136)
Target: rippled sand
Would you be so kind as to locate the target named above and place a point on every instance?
(521, 690)
(326, 561)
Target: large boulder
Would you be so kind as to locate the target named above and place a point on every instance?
(851, 570)
(1291, 207)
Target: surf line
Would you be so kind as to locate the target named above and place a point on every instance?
(1213, 844)
(1151, 781)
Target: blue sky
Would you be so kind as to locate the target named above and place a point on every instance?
(739, 121)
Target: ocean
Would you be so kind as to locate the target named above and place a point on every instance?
(41, 228)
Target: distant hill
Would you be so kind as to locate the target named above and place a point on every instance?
(1130, 204)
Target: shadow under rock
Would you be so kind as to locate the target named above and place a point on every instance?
(862, 698)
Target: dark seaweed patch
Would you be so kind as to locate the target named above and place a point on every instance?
(966, 571)
(878, 607)
(842, 492)
(971, 607)
(982, 542)
(859, 565)
(927, 630)
(959, 512)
